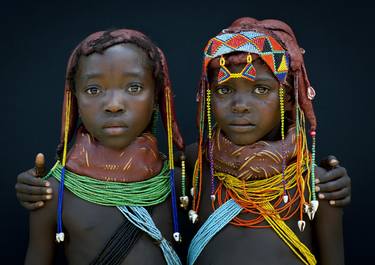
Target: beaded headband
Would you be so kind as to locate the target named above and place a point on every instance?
(271, 52)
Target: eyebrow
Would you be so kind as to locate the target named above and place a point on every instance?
(91, 75)
(125, 73)
(135, 73)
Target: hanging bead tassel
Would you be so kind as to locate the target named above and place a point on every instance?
(210, 147)
(184, 199)
(282, 120)
(176, 232)
(60, 236)
(314, 204)
(299, 141)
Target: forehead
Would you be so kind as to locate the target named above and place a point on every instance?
(128, 58)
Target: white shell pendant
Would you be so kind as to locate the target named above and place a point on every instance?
(301, 225)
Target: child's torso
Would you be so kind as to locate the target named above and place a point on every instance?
(242, 245)
(88, 227)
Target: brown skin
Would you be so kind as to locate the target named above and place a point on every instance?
(115, 95)
(234, 245)
(33, 191)
(247, 112)
(334, 185)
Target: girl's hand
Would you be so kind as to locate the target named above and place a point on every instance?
(335, 184)
(31, 190)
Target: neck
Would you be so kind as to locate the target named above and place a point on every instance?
(138, 161)
(259, 160)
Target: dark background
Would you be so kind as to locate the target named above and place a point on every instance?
(37, 38)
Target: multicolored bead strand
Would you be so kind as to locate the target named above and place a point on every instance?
(183, 175)
(298, 124)
(210, 155)
(176, 232)
(184, 199)
(313, 193)
(314, 203)
(282, 120)
(60, 234)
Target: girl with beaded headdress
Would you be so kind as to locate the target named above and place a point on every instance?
(253, 183)
(115, 190)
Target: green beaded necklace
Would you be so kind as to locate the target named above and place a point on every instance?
(108, 193)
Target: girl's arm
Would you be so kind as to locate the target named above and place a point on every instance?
(328, 232)
(42, 234)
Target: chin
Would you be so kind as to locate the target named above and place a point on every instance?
(116, 145)
(242, 140)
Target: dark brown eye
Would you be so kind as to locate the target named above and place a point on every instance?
(135, 88)
(260, 90)
(223, 90)
(93, 90)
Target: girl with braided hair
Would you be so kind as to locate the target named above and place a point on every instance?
(253, 183)
(113, 186)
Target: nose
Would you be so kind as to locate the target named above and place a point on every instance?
(114, 103)
(239, 104)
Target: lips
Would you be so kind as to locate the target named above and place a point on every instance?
(241, 125)
(115, 128)
(241, 122)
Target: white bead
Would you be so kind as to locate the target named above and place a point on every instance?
(184, 201)
(193, 216)
(177, 237)
(60, 237)
(314, 207)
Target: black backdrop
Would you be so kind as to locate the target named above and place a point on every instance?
(37, 38)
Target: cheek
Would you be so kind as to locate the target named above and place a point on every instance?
(216, 115)
(142, 108)
(270, 110)
(87, 111)
(220, 108)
